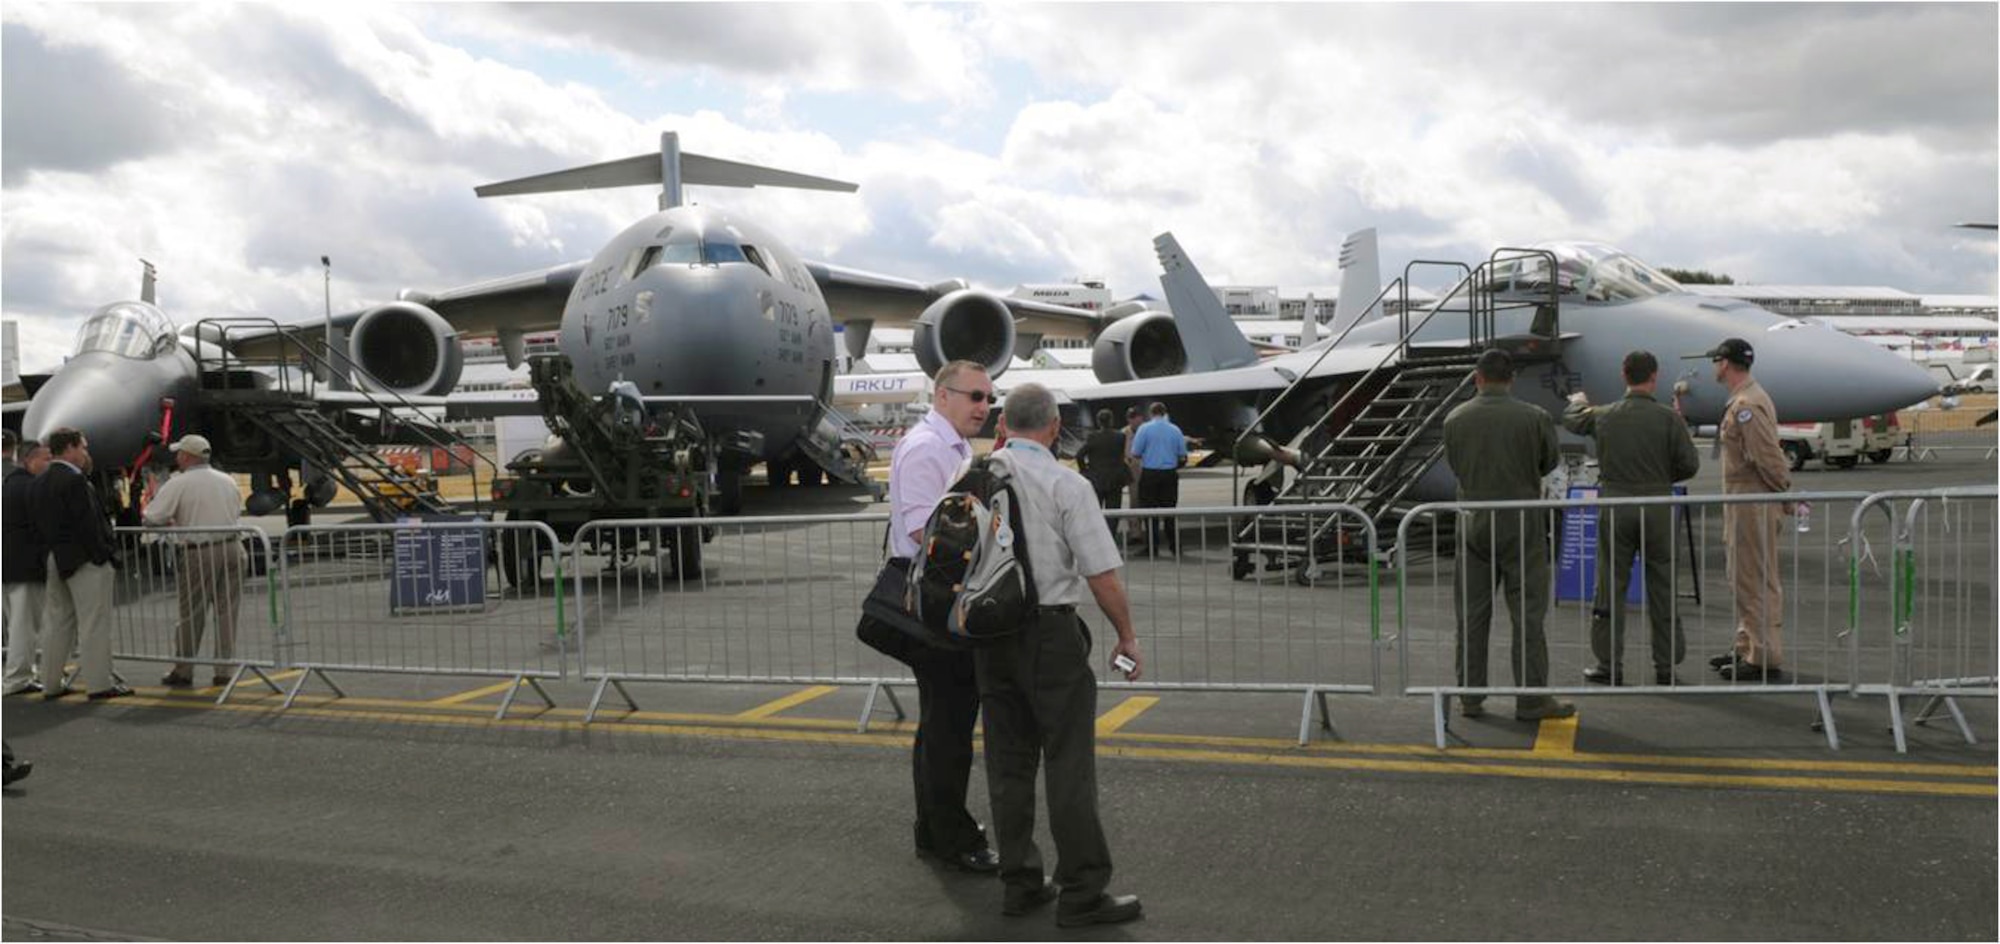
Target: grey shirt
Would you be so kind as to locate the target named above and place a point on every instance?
(1067, 536)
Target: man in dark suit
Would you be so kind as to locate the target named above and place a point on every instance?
(68, 519)
(23, 567)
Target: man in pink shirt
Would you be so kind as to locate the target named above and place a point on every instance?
(925, 464)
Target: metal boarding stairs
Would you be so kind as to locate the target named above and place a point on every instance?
(841, 447)
(1370, 445)
(328, 436)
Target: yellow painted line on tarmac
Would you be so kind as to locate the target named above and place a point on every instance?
(1123, 712)
(608, 719)
(793, 700)
(1556, 736)
(1663, 777)
(1979, 771)
(250, 679)
(475, 694)
(1293, 759)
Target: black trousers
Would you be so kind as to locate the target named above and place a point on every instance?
(941, 757)
(1041, 710)
(1159, 488)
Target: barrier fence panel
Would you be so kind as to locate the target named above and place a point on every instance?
(1667, 634)
(1939, 636)
(1954, 435)
(776, 599)
(203, 600)
(429, 597)
(763, 599)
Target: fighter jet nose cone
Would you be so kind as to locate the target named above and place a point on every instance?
(1815, 374)
(114, 409)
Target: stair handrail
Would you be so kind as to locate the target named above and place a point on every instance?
(288, 336)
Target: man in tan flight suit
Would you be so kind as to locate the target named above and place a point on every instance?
(1500, 448)
(1752, 463)
(1643, 448)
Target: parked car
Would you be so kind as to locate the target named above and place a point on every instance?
(1838, 445)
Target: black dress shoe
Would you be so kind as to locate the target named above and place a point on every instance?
(1747, 672)
(981, 860)
(1108, 909)
(19, 771)
(176, 680)
(1603, 675)
(115, 691)
(27, 688)
(1016, 903)
(58, 693)
(1722, 660)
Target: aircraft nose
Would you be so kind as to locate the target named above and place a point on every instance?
(1817, 374)
(98, 394)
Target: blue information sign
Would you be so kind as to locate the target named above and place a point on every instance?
(1576, 560)
(438, 568)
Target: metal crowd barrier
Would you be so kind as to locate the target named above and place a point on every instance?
(1818, 650)
(1941, 629)
(1936, 434)
(428, 598)
(180, 592)
(777, 599)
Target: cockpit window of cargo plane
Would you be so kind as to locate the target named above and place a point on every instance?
(683, 247)
(1597, 272)
(127, 329)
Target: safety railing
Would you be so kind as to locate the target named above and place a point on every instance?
(195, 598)
(1730, 561)
(424, 597)
(776, 600)
(1939, 637)
(1962, 434)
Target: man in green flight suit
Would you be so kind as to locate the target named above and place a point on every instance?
(1500, 448)
(1643, 448)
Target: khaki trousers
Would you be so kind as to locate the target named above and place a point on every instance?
(1753, 576)
(77, 612)
(24, 620)
(208, 576)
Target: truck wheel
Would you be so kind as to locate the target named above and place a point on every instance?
(1880, 456)
(520, 559)
(687, 554)
(1798, 454)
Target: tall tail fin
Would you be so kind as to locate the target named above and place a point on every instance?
(1212, 341)
(1360, 279)
(670, 168)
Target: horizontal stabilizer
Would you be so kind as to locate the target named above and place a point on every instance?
(644, 170)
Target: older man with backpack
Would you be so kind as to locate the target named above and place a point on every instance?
(1035, 684)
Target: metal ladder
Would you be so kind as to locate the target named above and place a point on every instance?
(1371, 444)
(289, 412)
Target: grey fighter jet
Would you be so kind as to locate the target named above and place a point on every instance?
(1572, 308)
(692, 304)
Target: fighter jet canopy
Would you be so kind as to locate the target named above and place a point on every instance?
(1594, 271)
(127, 329)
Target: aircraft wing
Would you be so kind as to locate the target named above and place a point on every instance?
(528, 302)
(855, 295)
(1275, 373)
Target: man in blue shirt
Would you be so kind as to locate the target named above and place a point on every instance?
(1161, 449)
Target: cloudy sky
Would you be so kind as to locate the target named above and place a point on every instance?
(233, 145)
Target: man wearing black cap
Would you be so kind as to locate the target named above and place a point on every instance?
(1752, 463)
(1500, 448)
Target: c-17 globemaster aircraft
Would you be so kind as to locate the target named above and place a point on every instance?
(691, 305)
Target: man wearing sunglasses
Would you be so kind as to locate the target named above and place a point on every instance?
(926, 462)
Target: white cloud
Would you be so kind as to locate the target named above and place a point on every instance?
(234, 144)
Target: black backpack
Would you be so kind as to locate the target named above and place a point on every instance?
(970, 581)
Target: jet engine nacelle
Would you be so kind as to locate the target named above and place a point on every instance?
(1138, 347)
(966, 325)
(407, 348)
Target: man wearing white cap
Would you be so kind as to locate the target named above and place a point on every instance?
(210, 563)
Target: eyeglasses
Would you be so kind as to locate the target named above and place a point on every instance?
(976, 396)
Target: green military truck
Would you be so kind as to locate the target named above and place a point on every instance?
(618, 457)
